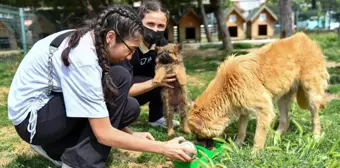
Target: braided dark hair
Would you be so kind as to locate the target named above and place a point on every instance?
(124, 21)
(152, 5)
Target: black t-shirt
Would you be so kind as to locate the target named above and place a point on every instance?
(142, 64)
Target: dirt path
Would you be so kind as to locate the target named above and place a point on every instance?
(4, 90)
(331, 64)
(196, 45)
(202, 53)
(330, 97)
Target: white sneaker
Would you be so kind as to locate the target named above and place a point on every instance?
(162, 123)
(65, 166)
(42, 152)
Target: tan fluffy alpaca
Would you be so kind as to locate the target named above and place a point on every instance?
(252, 83)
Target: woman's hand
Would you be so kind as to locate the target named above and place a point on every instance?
(145, 135)
(167, 80)
(110, 136)
(143, 87)
(175, 151)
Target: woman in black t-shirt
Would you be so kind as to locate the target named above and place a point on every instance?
(142, 65)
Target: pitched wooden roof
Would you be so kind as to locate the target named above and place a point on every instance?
(178, 18)
(255, 12)
(229, 10)
(6, 25)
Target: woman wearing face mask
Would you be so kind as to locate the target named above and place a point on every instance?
(71, 106)
(142, 66)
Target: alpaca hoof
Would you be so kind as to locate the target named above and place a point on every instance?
(187, 130)
(256, 151)
(238, 142)
(171, 132)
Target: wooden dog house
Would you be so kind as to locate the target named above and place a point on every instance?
(189, 27)
(235, 22)
(7, 37)
(261, 23)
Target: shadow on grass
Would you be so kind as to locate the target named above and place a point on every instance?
(26, 161)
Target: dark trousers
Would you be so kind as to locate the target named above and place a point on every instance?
(71, 139)
(153, 97)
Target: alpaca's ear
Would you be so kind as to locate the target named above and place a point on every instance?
(198, 124)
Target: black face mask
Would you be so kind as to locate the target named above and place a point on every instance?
(152, 37)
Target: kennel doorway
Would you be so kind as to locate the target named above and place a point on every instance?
(190, 33)
(4, 43)
(263, 30)
(233, 31)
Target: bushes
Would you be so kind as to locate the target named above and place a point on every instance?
(334, 89)
(334, 79)
(243, 45)
(329, 44)
(208, 46)
(335, 75)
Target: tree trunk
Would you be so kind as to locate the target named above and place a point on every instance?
(105, 2)
(313, 4)
(205, 20)
(96, 5)
(339, 32)
(89, 8)
(286, 25)
(222, 26)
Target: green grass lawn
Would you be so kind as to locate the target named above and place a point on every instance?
(295, 149)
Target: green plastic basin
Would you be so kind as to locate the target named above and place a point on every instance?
(200, 158)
